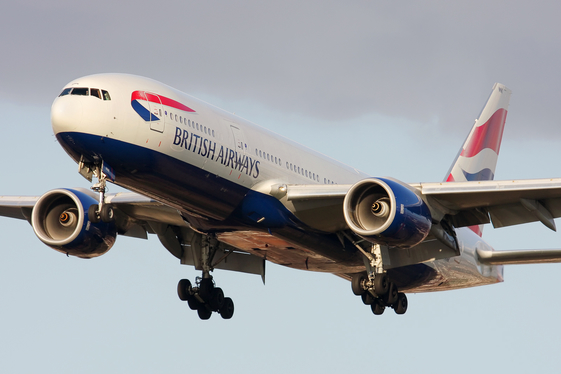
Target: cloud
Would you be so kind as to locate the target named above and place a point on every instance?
(429, 63)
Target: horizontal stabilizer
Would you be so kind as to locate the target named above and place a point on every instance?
(534, 256)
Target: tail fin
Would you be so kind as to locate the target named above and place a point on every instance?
(477, 158)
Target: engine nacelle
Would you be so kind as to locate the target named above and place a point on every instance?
(386, 211)
(60, 220)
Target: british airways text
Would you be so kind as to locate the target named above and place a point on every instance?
(207, 148)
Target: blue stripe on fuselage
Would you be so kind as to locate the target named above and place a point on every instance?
(228, 205)
(143, 112)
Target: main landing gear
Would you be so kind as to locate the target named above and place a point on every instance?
(204, 296)
(374, 286)
(379, 292)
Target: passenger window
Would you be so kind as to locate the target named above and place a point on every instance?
(65, 92)
(95, 92)
(105, 95)
(268, 159)
(197, 125)
(80, 91)
(213, 133)
(276, 162)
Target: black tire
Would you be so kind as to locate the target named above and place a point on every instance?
(107, 214)
(391, 297)
(356, 284)
(367, 298)
(203, 312)
(216, 299)
(92, 213)
(184, 289)
(377, 307)
(205, 289)
(381, 284)
(400, 306)
(227, 310)
(194, 303)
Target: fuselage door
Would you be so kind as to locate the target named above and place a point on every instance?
(157, 113)
(239, 139)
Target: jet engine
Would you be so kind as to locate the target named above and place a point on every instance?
(60, 220)
(387, 211)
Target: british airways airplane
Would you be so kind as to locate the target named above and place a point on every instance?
(223, 193)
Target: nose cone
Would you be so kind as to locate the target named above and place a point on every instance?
(66, 114)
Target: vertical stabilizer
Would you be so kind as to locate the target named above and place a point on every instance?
(477, 158)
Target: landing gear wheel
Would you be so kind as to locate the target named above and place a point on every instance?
(377, 307)
(367, 298)
(206, 287)
(107, 215)
(203, 312)
(194, 303)
(381, 284)
(216, 299)
(400, 306)
(356, 283)
(227, 309)
(391, 297)
(92, 213)
(184, 289)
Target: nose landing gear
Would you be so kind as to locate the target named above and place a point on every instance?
(102, 211)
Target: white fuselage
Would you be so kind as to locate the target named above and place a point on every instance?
(203, 161)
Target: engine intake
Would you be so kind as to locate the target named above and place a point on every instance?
(387, 211)
(60, 220)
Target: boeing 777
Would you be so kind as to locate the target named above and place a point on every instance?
(223, 193)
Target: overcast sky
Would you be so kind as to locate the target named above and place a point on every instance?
(391, 88)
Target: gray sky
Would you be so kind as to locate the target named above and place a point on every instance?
(390, 88)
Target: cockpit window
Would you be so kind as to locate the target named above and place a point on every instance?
(85, 91)
(95, 92)
(66, 91)
(81, 91)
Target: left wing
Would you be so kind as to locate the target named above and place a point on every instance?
(502, 203)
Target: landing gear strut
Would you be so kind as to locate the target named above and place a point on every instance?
(102, 211)
(204, 296)
(374, 287)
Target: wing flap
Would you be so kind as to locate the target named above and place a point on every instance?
(504, 203)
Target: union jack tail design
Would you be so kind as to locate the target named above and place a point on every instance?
(477, 158)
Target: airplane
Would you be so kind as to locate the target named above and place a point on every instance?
(220, 192)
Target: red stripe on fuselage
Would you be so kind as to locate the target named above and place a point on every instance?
(141, 95)
(488, 135)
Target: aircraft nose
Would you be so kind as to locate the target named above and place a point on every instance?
(66, 114)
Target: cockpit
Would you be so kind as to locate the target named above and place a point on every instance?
(85, 91)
